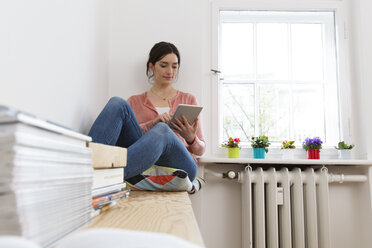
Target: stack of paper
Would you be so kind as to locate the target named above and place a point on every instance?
(45, 178)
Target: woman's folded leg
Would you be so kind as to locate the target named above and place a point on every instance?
(117, 125)
(159, 146)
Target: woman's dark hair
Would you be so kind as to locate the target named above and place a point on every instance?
(157, 52)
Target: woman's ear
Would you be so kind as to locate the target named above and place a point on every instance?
(151, 66)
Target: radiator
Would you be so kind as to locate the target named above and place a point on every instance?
(285, 208)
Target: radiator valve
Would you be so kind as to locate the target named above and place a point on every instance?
(230, 175)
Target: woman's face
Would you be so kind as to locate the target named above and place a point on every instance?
(165, 70)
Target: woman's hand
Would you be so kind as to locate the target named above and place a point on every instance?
(164, 117)
(187, 131)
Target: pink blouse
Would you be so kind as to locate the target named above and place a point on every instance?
(146, 112)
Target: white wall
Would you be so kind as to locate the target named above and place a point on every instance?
(53, 58)
(137, 25)
(361, 60)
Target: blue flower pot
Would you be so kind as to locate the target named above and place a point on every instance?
(259, 153)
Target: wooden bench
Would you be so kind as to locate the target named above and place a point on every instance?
(164, 212)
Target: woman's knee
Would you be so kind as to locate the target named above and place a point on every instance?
(116, 101)
(163, 132)
(163, 128)
(117, 104)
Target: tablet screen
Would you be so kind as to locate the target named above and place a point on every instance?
(191, 112)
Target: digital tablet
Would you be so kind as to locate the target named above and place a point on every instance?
(191, 112)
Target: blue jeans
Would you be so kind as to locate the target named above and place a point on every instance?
(116, 125)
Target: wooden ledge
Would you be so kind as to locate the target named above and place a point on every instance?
(164, 212)
(219, 160)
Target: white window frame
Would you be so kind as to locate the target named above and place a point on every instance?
(342, 51)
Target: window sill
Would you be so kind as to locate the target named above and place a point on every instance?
(327, 153)
(225, 160)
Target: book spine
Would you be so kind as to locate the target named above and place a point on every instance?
(102, 209)
(100, 201)
(107, 177)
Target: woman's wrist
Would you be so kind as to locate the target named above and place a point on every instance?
(192, 142)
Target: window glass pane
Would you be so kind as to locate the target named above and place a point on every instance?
(273, 111)
(272, 51)
(238, 111)
(237, 50)
(280, 76)
(308, 112)
(307, 51)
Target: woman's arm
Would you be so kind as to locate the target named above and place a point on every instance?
(192, 134)
(136, 104)
(197, 147)
(146, 116)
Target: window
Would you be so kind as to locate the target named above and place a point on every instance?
(278, 75)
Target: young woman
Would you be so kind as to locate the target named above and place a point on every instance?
(141, 123)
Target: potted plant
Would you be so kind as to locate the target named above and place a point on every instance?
(287, 149)
(260, 145)
(312, 146)
(232, 146)
(344, 150)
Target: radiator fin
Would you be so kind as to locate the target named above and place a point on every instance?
(259, 210)
(302, 221)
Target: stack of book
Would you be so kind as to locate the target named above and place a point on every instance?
(108, 176)
(45, 178)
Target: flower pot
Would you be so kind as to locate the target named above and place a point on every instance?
(344, 154)
(234, 152)
(288, 153)
(259, 153)
(313, 154)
